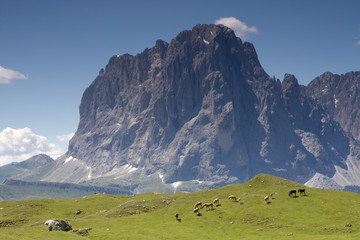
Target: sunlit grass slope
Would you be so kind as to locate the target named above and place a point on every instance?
(320, 214)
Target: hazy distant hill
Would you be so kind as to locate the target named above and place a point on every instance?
(21, 190)
(34, 163)
(32, 170)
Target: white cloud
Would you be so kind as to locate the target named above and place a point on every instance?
(20, 144)
(240, 28)
(8, 75)
(65, 138)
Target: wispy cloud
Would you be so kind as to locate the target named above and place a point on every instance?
(8, 75)
(358, 42)
(240, 28)
(20, 144)
(65, 138)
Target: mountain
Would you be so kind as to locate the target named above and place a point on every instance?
(32, 170)
(339, 94)
(200, 112)
(33, 164)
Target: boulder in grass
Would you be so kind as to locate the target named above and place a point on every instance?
(58, 225)
(83, 232)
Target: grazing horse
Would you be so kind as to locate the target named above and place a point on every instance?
(266, 199)
(207, 205)
(302, 191)
(177, 217)
(233, 197)
(198, 204)
(292, 193)
(216, 202)
(196, 211)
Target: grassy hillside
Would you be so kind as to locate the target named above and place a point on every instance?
(321, 214)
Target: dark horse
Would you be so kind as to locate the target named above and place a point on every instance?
(302, 191)
(292, 193)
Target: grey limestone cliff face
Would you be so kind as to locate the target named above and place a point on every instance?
(320, 135)
(200, 108)
(341, 96)
(176, 108)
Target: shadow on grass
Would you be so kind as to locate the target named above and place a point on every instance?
(210, 209)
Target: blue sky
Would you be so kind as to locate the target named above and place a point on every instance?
(51, 51)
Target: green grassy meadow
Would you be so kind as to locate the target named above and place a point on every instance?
(321, 214)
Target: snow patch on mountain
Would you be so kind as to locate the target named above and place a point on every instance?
(71, 158)
(161, 177)
(130, 168)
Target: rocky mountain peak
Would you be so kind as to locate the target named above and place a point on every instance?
(206, 33)
(340, 95)
(35, 161)
(290, 90)
(201, 110)
(290, 81)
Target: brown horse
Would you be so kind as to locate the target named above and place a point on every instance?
(208, 205)
(196, 211)
(216, 202)
(292, 193)
(198, 204)
(301, 191)
(233, 197)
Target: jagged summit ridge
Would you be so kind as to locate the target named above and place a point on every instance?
(340, 95)
(202, 110)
